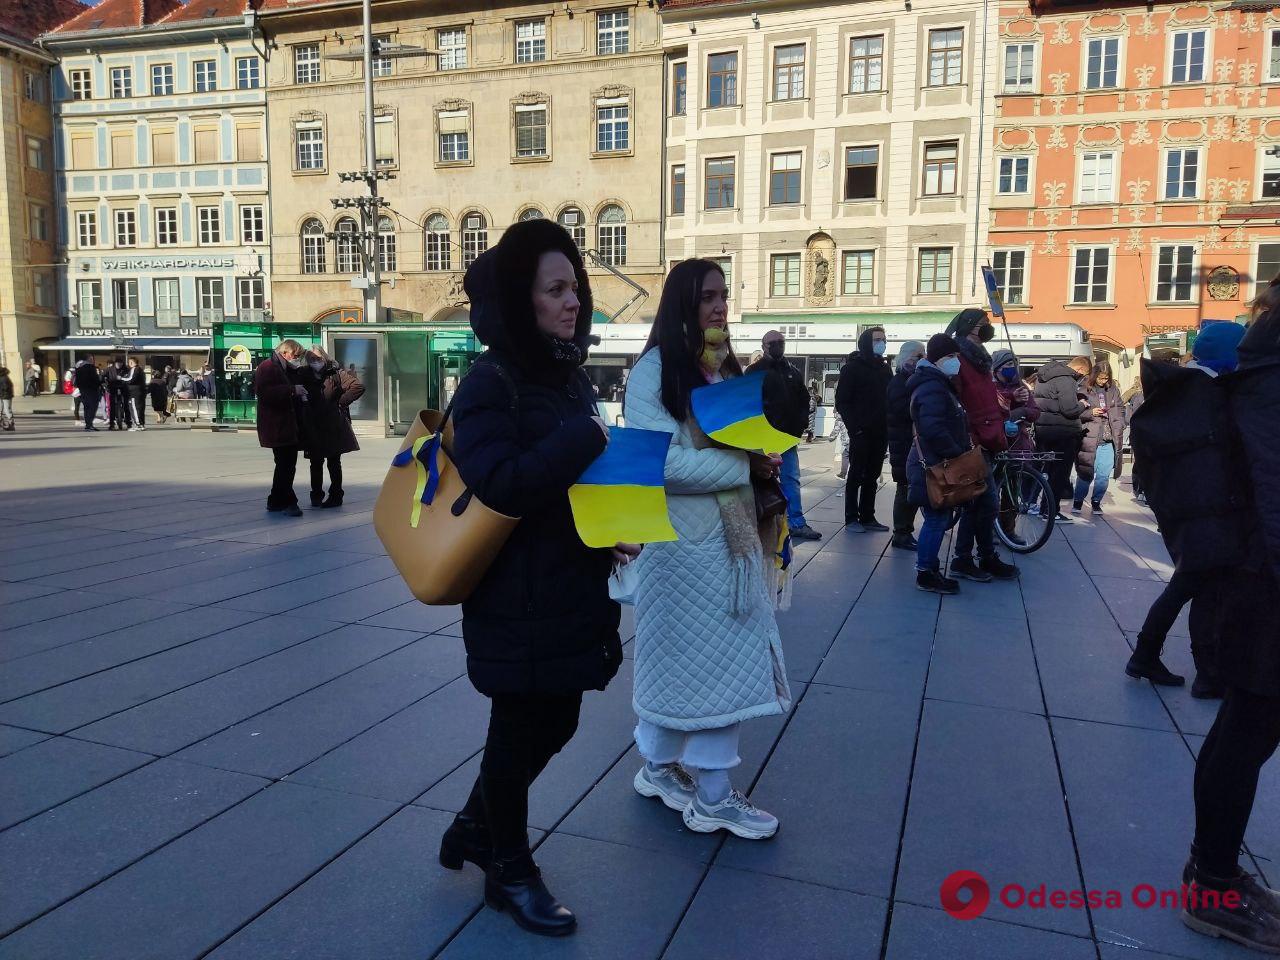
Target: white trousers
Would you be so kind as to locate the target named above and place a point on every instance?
(702, 749)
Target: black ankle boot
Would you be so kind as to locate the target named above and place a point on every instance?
(317, 497)
(1143, 668)
(515, 885)
(333, 500)
(1206, 687)
(467, 839)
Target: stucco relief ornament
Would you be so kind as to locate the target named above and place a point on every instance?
(1245, 96)
(1050, 248)
(1142, 99)
(1137, 213)
(1250, 23)
(1051, 218)
(1061, 35)
(1057, 103)
(1141, 132)
(1239, 191)
(1222, 68)
(456, 295)
(1229, 20)
(1244, 130)
(1217, 188)
(1238, 238)
(1135, 240)
(1138, 190)
(1212, 240)
(1222, 95)
(1221, 128)
(1248, 71)
(1144, 74)
(1053, 193)
(1148, 26)
(824, 159)
(1057, 139)
(1224, 284)
(1059, 81)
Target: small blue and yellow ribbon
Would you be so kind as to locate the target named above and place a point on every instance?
(423, 453)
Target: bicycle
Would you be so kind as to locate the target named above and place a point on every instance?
(1028, 507)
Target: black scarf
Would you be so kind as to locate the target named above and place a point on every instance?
(565, 354)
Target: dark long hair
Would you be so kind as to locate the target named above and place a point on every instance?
(1099, 368)
(677, 334)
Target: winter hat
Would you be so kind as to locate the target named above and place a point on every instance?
(1216, 345)
(963, 323)
(940, 345)
(1001, 357)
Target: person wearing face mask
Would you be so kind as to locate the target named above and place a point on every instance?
(1063, 414)
(898, 409)
(708, 655)
(1098, 461)
(328, 434)
(862, 400)
(276, 384)
(1020, 413)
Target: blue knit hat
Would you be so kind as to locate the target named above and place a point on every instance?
(1216, 344)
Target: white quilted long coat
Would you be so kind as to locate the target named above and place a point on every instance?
(697, 666)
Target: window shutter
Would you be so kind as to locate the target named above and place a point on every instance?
(206, 146)
(82, 153)
(122, 150)
(453, 121)
(162, 152)
(248, 143)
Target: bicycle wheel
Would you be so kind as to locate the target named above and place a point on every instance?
(1026, 508)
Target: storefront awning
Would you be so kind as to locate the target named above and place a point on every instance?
(145, 344)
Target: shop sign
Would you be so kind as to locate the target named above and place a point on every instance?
(169, 263)
(239, 359)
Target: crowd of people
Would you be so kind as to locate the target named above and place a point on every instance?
(119, 393)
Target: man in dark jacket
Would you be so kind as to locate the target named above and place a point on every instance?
(120, 416)
(977, 389)
(1060, 428)
(861, 401)
(89, 383)
(275, 383)
(901, 434)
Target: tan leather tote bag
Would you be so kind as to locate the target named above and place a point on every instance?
(953, 483)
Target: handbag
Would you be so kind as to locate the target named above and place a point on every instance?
(770, 500)
(953, 483)
(436, 531)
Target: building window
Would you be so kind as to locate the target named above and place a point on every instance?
(859, 273)
(309, 138)
(1188, 56)
(531, 130)
(531, 41)
(455, 136)
(346, 246)
(722, 80)
(934, 274)
(861, 173)
(249, 143)
(166, 226)
(784, 271)
(1010, 268)
(210, 300)
(1097, 177)
(384, 140)
(866, 64)
(726, 267)
(940, 160)
(206, 76)
(1019, 67)
(788, 72)
(126, 222)
(679, 88)
(386, 244)
(784, 178)
(572, 220)
(1175, 277)
(39, 215)
(613, 32)
(452, 44)
(1092, 276)
(313, 243)
(89, 303)
(251, 297)
(121, 83)
(81, 82)
(168, 303)
(1270, 174)
(677, 190)
(1014, 176)
(719, 183)
(162, 147)
(438, 255)
(87, 228)
(124, 302)
(1267, 267)
(530, 213)
(206, 145)
(306, 63)
(946, 57)
(33, 86)
(248, 73)
(382, 66)
(42, 288)
(1273, 54)
(1181, 174)
(611, 235)
(1102, 63)
(162, 79)
(475, 237)
(253, 226)
(613, 126)
(209, 220)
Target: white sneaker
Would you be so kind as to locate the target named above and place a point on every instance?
(734, 813)
(671, 784)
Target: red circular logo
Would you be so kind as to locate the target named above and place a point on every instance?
(970, 883)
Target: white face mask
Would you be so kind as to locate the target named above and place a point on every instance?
(949, 365)
(878, 348)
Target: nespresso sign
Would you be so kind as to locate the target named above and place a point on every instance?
(169, 263)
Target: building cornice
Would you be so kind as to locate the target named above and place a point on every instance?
(8, 42)
(234, 28)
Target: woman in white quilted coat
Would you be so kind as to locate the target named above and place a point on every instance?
(707, 653)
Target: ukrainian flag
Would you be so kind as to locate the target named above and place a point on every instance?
(732, 412)
(621, 497)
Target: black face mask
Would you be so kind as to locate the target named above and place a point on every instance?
(776, 349)
(986, 333)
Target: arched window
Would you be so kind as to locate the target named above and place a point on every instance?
(313, 244)
(530, 213)
(436, 243)
(386, 244)
(611, 235)
(475, 237)
(572, 220)
(347, 246)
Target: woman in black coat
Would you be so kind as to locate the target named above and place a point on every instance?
(898, 410)
(1247, 729)
(540, 628)
(327, 432)
(1061, 424)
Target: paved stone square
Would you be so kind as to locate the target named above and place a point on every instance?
(232, 735)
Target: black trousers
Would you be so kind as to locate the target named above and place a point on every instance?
(121, 410)
(904, 513)
(282, 494)
(1066, 445)
(525, 732)
(89, 402)
(335, 474)
(866, 462)
(1201, 591)
(1242, 739)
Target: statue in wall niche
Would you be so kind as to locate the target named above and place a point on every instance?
(821, 275)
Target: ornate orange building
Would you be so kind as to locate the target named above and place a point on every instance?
(1136, 167)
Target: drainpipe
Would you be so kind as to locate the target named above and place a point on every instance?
(982, 114)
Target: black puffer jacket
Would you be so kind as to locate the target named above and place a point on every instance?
(861, 391)
(898, 415)
(940, 420)
(1057, 396)
(541, 620)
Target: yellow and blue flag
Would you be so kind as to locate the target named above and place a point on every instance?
(622, 497)
(732, 412)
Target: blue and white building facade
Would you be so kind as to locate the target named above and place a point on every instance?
(160, 147)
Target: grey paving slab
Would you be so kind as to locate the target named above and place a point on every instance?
(14, 592)
(843, 540)
(35, 555)
(807, 630)
(291, 735)
(298, 594)
(168, 723)
(627, 901)
(1113, 560)
(46, 606)
(55, 770)
(50, 858)
(13, 739)
(741, 914)
(1189, 714)
(415, 615)
(1129, 601)
(155, 573)
(106, 556)
(297, 569)
(362, 602)
(452, 630)
(860, 799)
(986, 661)
(187, 897)
(405, 755)
(890, 655)
(985, 796)
(69, 628)
(83, 701)
(920, 933)
(387, 897)
(31, 533)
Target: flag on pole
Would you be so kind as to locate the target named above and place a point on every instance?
(622, 497)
